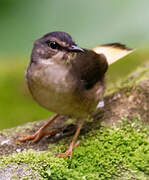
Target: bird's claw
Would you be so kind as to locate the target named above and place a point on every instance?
(69, 152)
(34, 138)
(37, 136)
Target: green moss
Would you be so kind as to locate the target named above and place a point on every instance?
(141, 74)
(106, 153)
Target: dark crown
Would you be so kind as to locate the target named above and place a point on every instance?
(61, 36)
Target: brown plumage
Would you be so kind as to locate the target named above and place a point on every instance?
(67, 79)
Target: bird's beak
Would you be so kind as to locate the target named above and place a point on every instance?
(75, 48)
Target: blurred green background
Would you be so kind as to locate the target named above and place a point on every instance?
(89, 22)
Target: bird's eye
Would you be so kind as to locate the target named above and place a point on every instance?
(53, 45)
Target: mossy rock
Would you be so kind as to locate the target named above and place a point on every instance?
(114, 146)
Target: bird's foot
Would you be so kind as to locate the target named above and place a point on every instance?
(37, 136)
(41, 132)
(69, 152)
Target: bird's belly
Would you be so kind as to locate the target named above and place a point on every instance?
(57, 93)
(52, 100)
(61, 103)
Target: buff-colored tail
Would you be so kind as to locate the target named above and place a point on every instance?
(113, 52)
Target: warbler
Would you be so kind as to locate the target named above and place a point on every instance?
(69, 80)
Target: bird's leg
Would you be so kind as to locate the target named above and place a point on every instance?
(73, 144)
(40, 133)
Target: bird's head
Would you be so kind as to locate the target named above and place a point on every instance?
(56, 46)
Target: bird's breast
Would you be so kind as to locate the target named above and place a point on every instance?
(57, 89)
(53, 87)
(52, 77)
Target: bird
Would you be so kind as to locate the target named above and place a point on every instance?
(69, 80)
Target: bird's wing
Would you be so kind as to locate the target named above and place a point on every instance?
(113, 52)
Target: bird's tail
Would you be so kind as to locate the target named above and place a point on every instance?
(113, 52)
